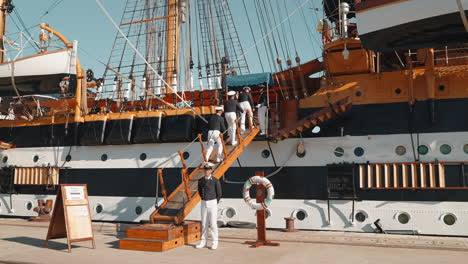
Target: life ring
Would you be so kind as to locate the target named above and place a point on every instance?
(269, 196)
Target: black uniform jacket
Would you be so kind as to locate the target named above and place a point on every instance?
(246, 97)
(232, 105)
(209, 189)
(217, 123)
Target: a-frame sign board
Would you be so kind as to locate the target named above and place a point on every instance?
(71, 217)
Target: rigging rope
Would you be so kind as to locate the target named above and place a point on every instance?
(149, 65)
(16, 12)
(253, 36)
(51, 7)
(290, 29)
(274, 28)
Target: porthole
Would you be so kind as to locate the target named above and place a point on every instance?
(143, 156)
(230, 212)
(68, 158)
(358, 152)
(98, 208)
(339, 152)
(358, 93)
(400, 150)
(445, 149)
(5, 159)
(398, 91)
(441, 87)
(35, 158)
(186, 155)
(29, 206)
(449, 219)
(423, 149)
(403, 218)
(138, 210)
(300, 214)
(360, 217)
(316, 130)
(265, 153)
(465, 148)
(104, 157)
(301, 154)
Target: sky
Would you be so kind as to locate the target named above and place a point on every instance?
(84, 21)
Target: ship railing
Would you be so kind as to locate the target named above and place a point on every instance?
(443, 56)
(449, 56)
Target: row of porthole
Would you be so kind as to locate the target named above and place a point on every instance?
(401, 150)
(99, 208)
(143, 156)
(266, 154)
(104, 157)
(339, 152)
(299, 214)
(404, 218)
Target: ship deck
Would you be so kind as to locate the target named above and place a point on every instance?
(22, 242)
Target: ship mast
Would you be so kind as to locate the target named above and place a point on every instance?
(5, 6)
(172, 44)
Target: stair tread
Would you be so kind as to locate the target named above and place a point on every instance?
(154, 227)
(143, 239)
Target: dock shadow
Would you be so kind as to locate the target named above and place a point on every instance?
(113, 244)
(35, 242)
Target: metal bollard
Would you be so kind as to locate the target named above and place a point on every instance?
(290, 224)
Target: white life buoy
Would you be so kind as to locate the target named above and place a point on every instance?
(269, 196)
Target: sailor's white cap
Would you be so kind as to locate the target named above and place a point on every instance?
(208, 166)
(246, 87)
(231, 93)
(219, 108)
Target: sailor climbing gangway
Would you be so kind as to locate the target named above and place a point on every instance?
(231, 108)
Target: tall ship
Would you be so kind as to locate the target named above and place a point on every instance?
(370, 136)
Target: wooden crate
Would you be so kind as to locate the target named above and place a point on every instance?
(156, 232)
(192, 238)
(191, 227)
(150, 244)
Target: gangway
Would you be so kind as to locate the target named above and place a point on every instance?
(185, 197)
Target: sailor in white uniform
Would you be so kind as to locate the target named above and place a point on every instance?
(209, 189)
(231, 107)
(247, 104)
(216, 127)
(262, 111)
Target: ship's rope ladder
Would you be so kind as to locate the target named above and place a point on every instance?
(180, 202)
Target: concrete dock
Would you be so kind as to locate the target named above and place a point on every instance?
(22, 242)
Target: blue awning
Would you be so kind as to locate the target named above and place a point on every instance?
(250, 79)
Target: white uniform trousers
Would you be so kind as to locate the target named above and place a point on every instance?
(213, 137)
(231, 121)
(262, 111)
(245, 106)
(209, 219)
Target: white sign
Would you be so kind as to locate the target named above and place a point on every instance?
(81, 210)
(75, 192)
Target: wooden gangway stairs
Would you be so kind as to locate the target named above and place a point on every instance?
(184, 198)
(314, 119)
